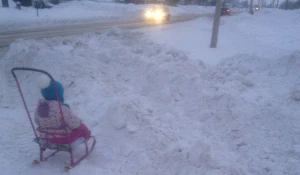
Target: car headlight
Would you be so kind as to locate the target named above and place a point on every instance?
(158, 15)
(148, 14)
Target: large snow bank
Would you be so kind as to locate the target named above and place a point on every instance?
(155, 111)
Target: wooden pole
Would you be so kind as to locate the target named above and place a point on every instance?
(215, 31)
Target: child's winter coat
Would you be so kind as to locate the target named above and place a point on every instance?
(54, 127)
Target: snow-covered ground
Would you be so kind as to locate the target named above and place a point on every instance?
(75, 12)
(160, 101)
(262, 35)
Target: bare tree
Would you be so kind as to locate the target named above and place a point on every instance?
(215, 31)
(263, 3)
(5, 3)
(251, 8)
(273, 3)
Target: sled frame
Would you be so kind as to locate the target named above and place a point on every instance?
(88, 149)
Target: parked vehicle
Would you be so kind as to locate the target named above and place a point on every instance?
(225, 11)
(256, 8)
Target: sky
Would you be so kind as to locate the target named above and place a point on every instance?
(159, 100)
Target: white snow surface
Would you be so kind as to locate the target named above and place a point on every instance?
(160, 101)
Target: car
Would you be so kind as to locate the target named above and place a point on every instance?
(256, 8)
(225, 11)
(157, 14)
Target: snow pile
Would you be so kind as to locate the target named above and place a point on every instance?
(155, 111)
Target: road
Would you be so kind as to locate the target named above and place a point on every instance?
(6, 38)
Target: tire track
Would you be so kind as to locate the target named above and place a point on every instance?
(7, 37)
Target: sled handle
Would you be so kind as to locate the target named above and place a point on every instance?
(23, 99)
(30, 69)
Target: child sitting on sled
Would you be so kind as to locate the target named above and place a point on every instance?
(54, 127)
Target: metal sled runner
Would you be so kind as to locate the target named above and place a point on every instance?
(43, 143)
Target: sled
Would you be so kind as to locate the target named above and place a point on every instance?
(43, 143)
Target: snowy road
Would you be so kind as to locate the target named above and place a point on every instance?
(8, 37)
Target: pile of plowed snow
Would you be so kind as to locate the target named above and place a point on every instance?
(155, 111)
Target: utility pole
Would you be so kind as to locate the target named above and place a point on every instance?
(215, 31)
